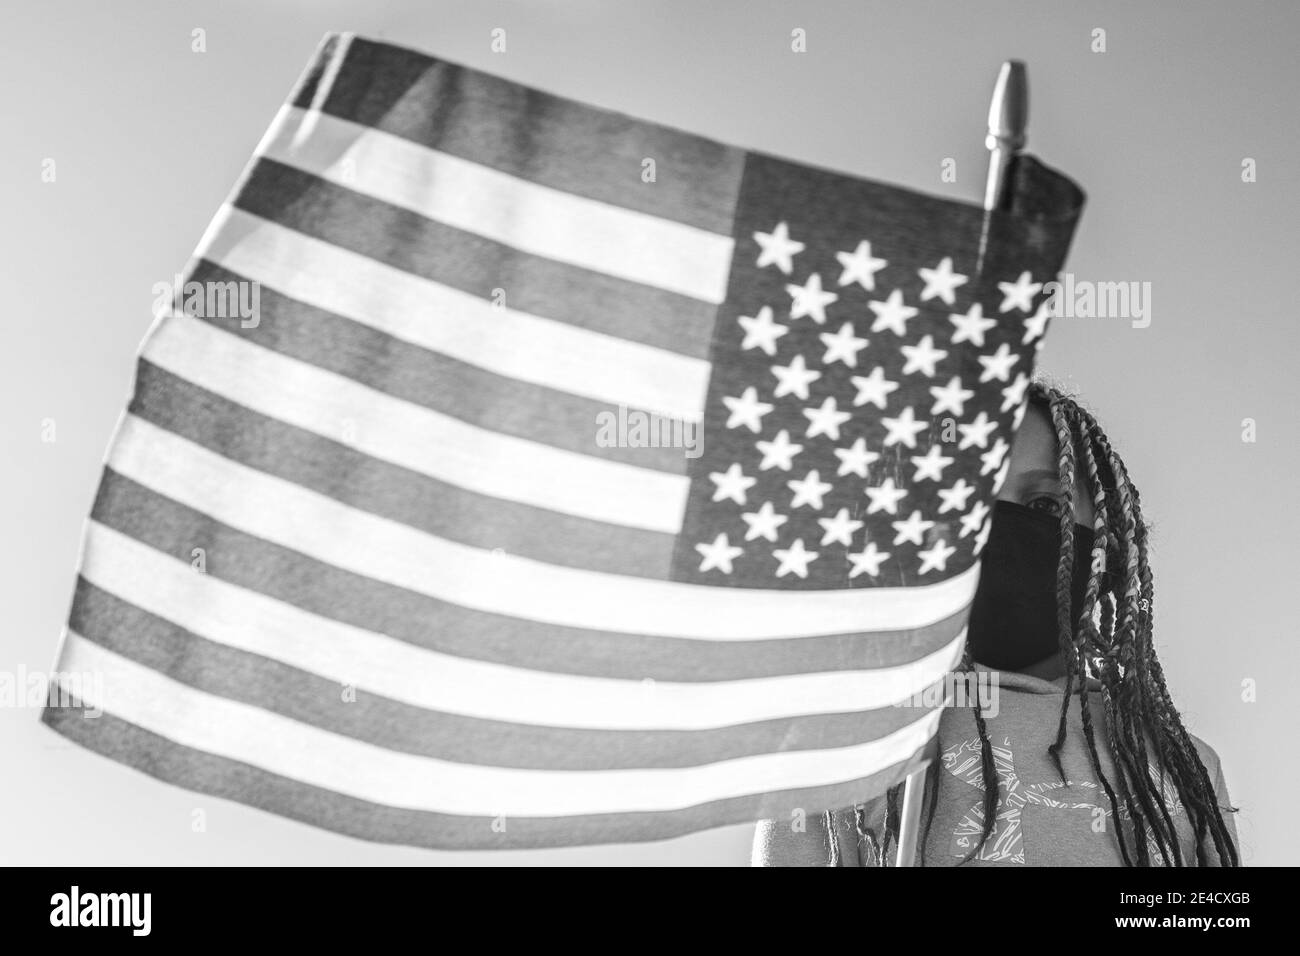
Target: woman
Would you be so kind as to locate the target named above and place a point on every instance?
(1036, 771)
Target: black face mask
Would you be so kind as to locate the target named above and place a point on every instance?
(1013, 617)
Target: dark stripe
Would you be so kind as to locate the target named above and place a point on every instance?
(292, 692)
(391, 491)
(430, 379)
(207, 773)
(548, 139)
(474, 264)
(423, 621)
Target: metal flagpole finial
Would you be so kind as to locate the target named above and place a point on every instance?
(1008, 118)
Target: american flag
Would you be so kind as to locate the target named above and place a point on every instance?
(363, 562)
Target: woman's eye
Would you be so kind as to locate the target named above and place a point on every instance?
(1046, 503)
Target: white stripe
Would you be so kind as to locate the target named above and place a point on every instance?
(375, 547)
(307, 754)
(412, 436)
(466, 327)
(236, 617)
(519, 213)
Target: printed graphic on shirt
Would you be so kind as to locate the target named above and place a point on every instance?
(1007, 844)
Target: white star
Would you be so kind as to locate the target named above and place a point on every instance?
(951, 397)
(809, 299)
(1019, 294)
(732, 484)
(779, 452)
(718, 555)
(794, 559)
(931, 464)
(998, 365)
(794, 378)
(809, 490)
(903, 429)
(1036, 325)
(843, 346)
(885, 497)
(860, 267)
(913, 529)
(993, 457)
(972, 521)
(1018, 417)
(936, 558)
(941, 281)
(1014, 393)
(746, 410)
(982, 538)
(891, 314)
(763, 522)
(855, 459)
(778, 248)
(1001, 477)
(868, 561)
(954, 498)
(977, 432)
(826, 420)
(873, 388)
(760, 331)
(922, 357)
(839, 529)
(971, 326)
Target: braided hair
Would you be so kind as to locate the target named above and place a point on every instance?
(1111, 642)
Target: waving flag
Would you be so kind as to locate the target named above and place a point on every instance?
(574, 479)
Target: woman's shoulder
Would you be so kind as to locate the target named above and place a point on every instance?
(1209, 756)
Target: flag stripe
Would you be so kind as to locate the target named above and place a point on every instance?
(308, 754)
(328, 592)
(432, 380)
(375, 547)
(400, 494)
(423, 678)
(195, 770)
(378, 710)
(521, 213)
(461, 326)
(553, 140)
(428, 442)
(476, 265)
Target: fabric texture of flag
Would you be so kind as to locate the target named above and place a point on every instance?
(400, 555)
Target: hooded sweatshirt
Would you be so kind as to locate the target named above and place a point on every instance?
(1040, 820)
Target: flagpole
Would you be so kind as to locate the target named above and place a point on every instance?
(1008, 118)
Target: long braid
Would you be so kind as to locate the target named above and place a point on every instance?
(1123, 733)
(1167, 841)
(1204, 812)
(1135, 719)
(1060, 409)
(988, 767)
(878, 847)
(1064, 577)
